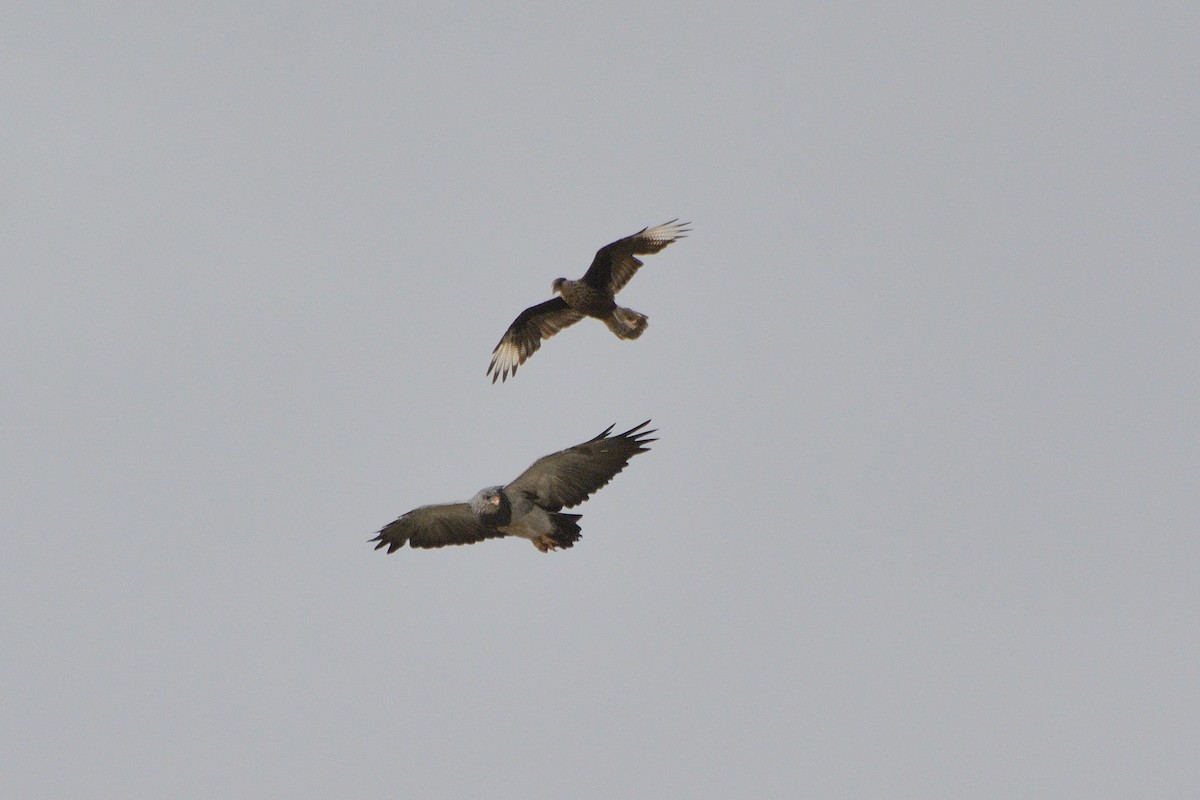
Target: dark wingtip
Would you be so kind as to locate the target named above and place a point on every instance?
(499, 374)
(637, 428)
(391, 546)
(642, 438)
(604, 433)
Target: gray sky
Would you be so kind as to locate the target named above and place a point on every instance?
(922, 521)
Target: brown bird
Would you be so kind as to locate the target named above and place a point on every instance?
(593, 295)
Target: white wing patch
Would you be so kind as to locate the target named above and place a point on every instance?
(667, 233)
(506, 359)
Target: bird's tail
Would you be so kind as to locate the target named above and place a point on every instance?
(566, 529)
(627, 323)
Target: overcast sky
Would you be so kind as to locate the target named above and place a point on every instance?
(922, 520)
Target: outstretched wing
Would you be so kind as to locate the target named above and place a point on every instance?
(615, 264)
(568, 477)
(434, 526)
(524, 336)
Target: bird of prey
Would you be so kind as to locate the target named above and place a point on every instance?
(531, 506)
(593, 295)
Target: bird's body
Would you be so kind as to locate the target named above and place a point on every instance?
(593, 295)
(517, 514)
(531, 506)
(585, 298)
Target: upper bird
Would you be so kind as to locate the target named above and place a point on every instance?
(529, 507)
(593, 295)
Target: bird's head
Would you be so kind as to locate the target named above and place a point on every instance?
(556, 285)
(491, 507)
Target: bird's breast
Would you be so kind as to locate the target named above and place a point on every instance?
(585, 298)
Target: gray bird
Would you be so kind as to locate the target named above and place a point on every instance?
(531, 506)
(593, 295)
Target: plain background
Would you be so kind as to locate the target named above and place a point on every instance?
(922, 519)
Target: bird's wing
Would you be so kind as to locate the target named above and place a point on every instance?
(524, 336)
(569, 477)
(615, 264)
(434, 526)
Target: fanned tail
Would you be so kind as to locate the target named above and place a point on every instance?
(627, 323)
(566, 529)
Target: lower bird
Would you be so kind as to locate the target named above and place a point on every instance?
(531, 506)
(593, 295)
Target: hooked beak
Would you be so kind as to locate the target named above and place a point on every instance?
(494, 500)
